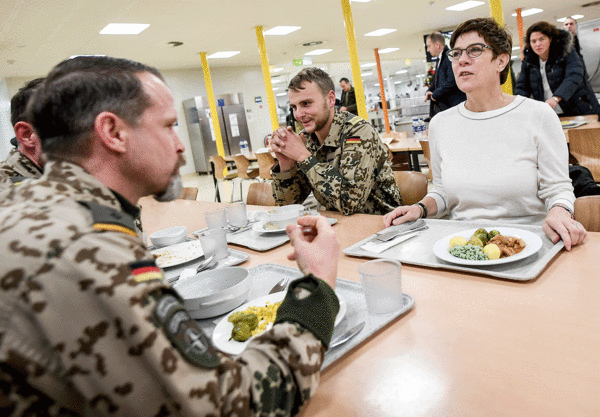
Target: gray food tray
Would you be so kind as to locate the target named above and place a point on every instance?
(235, 257)
(419, 251)
(265, 276)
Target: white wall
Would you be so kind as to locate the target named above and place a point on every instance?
(6, 130)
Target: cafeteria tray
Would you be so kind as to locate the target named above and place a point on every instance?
(265, 276)
(235, 257)
(419, 251)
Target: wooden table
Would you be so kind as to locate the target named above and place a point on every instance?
(471, 345)
(408, 146)
(591, 123)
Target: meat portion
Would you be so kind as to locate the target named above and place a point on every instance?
(508, 245)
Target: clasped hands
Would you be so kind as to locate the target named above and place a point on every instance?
(289, 147)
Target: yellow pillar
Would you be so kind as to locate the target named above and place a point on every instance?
(264, 61)
(361, 104)
(382, 93)
(498, 16)
(213, 106)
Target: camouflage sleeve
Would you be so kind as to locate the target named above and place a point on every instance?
(128, 345)
(346, 182)
(290, 187)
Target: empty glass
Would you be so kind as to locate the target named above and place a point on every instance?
(382, 284)
(214, 242)
(236, 214)
(216, 219)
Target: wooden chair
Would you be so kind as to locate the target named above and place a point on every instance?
(189, 193)
(412, 185)
(587, 212)
(244, 171)
(261, 194)
(586, 118)
(219, 166)
(265, 164)
(585, 147)
(425, 146)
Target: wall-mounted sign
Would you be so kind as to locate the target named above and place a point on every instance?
(298, 62)
(258, 99)
(221, 102)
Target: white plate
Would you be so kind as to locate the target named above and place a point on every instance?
(222, 332)
(178, 254)
(533, 242)
(260, 225)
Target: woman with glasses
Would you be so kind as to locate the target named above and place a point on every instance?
(553, 72)
(496, 157)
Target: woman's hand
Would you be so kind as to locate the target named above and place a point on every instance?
(559, 225)
(402, 214)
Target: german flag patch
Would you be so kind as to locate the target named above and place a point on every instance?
(353, 139)
(144, 271)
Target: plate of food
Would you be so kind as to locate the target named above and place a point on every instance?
(487, 246)
(178, 254)
(264, 310)
(265, 226)
(568, 124)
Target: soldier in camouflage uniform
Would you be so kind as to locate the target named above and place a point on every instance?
(342, 159)
(25, 161)
(88, 325)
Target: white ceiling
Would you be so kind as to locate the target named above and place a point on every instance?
(35, 35)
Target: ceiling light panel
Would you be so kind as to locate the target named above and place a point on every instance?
(380, 32)
(224, 54)
(281, 30)
(388, 50)
(367, 65)
(318, 52)
(466, 5)
(529, 12)
(124, 28)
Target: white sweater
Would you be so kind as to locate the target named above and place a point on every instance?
(509, 164)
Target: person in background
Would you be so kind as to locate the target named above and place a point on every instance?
(338, 156)
(348, 99)
(26, 160)
(570, 24)
(553, 72)
(496, 157)
(89, 325)
(443, 91)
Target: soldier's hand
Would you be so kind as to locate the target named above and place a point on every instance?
(316, 247)
(291, 144)
(285, 163)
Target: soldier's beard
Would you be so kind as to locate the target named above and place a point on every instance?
(175, 187)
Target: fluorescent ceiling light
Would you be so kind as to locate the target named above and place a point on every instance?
(514, 57)
(529, 12)
(224, 54)
(364, 74)
(281, 30)
(360, 1)
(464, 6)
(397, 82)
(318, 52)
(75, 56)
(276, 81)
(376, 85)
(275, 88)
(275, 70)
(370, 64)
(387, 50)
(123, 28)
(402, 72)
(380, 32)
(516, 47)
(281, 94)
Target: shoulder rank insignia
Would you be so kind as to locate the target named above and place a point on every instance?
(353, 139)
(17, 179)
(143, 271)
(109, 219)
(354, 120)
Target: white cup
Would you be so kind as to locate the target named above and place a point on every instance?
(216, 219)
(214, 242)
(382, 284)
(237, 215)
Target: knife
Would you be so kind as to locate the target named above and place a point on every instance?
(407, 227)
(347, 335)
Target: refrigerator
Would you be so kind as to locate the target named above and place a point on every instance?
(232, 121)
(589, 39)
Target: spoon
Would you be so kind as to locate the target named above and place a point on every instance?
(204, 264)
(280, 286)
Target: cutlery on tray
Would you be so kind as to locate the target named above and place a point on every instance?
(206, 264)
(349, 334)
(404, 228)
(280, 286)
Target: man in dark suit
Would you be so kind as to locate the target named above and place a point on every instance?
(348, 100)
(443, 91)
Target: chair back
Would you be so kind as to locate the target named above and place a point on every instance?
(265, 164)
(585, 147)
(261, 194)
(427, 155)
(242, 163)
(189, 193)
(587, 212)
(412, 185)
(220, 165)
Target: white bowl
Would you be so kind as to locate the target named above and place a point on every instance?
(215, 292)
(169, 236)
(284, 215)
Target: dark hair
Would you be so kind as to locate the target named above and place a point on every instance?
(18, 104)
(546, 28)
(312, 75)
(344, 79)
(437, 37)
(494, 35)
(64, 108)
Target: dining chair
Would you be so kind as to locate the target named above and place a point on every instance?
(261, 194)
(265, 163)
(189, 193)
(427, 155)
(584, 145)
(219, 165)
(587, 212)
(412, 185)
(244, 171)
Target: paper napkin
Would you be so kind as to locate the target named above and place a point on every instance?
(377, 247)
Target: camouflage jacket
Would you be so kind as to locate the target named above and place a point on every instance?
(88, 325)
(16, 168)
(350, 173)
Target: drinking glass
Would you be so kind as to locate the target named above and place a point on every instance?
(382, 284)
(237, 215)
(216, 219)
(214, 242)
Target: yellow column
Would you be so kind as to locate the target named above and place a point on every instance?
(213, 106)
(382, 93)
(498, 16)
(264, 61)
(361, 104)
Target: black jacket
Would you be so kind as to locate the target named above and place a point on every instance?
(566, 76)
(348, 101)
(443, 87)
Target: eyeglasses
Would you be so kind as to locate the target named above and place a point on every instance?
(473, 51)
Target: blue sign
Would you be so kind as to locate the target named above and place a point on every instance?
(258, 99)
(221, 102)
